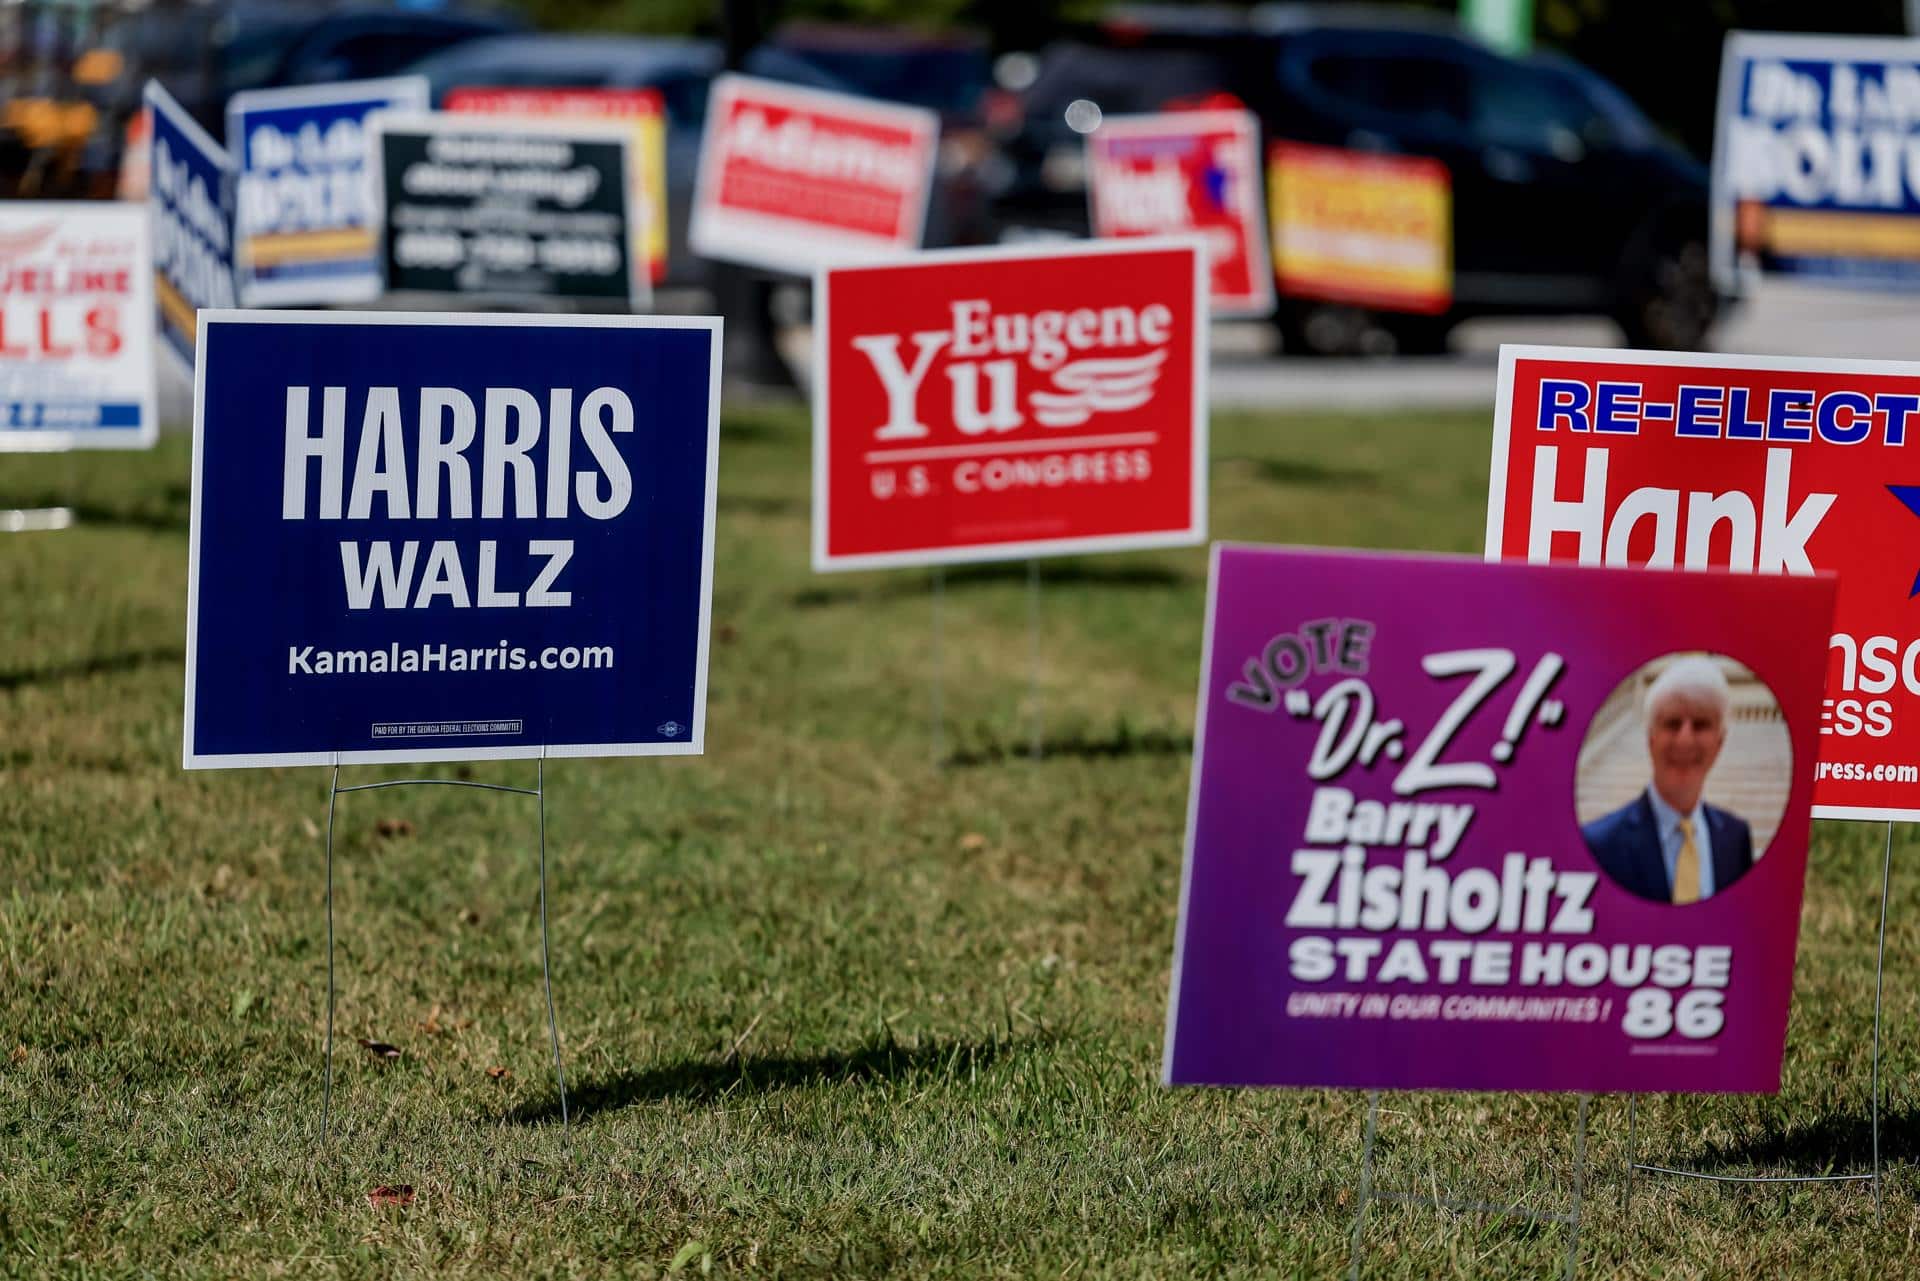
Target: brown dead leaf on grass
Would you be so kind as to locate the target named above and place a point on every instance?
(500, 1073)
(397, 1194)
(972, 842)
(391, 827)
(380, 1049)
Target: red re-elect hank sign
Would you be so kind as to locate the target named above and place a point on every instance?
(1755, 464)
(797, 179)
(991, 404)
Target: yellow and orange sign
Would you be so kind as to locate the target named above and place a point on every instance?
(1351, 226)
(644, 109)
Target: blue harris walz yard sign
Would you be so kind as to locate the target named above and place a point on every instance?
(449, 537)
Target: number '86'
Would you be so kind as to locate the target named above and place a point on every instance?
(1652, 1012)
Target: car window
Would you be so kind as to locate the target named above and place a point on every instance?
(1532, 110)
(368, 54)
(1628, 127)
(940, 79)
(1122, 80)
(1403, 87)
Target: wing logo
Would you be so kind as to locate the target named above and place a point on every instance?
(26, 240)
(1083, 388)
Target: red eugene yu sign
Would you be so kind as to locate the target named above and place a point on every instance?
(991, 404)
(794, 179)
(1749, 463)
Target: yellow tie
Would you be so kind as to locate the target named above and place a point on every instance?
(1686, 869)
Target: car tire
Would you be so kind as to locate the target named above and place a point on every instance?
(1672, 305)
(1330, 329)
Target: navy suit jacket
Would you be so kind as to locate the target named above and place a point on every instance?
(1626, 844)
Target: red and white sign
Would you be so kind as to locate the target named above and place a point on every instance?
(992, 404)
(1188, 172)
(1756, 464)
(799, 179)
(76, 326)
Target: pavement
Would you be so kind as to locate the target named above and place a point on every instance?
(1779, 320)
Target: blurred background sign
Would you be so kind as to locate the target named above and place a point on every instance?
(643, 111)
(1375, 230)
(1817, 161)
(795, 179)
(303, 226)
(519, 213)
(1181, 172)
(190, 196)
(76, 334)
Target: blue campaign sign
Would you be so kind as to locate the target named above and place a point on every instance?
(192, 227)
(1816, 165)
(430, 537)
(303, 225)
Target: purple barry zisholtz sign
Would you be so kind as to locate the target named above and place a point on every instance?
(1461, 825)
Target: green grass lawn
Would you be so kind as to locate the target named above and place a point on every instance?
(827, 1010)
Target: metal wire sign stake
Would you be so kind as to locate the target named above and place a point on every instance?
(1433, 1200)
(1033, 650)
(539, 793)
(939, 593)
(1875, 1175)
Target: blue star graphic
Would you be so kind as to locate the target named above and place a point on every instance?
(1909, 496)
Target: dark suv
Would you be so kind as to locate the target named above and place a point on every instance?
(1565, 199)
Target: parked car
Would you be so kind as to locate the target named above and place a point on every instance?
(681, 69)
(205, 53)
(1565, 199)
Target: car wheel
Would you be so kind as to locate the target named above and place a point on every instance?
(1330, 329)
(1673, 305)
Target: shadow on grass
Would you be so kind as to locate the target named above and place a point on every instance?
(762, 504)
(706, 1080)
(170, 521)
(1838, 1144)
(1299, 471)
(754, 426)
(1122, 742)
(1070, 574)
(98, 665)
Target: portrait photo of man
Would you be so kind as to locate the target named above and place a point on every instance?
(1668, 844)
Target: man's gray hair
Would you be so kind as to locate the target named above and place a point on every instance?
(1696, 676)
